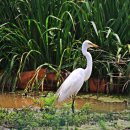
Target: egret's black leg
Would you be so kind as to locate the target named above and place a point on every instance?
(73, 99)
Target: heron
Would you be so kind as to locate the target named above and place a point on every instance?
(73, 83)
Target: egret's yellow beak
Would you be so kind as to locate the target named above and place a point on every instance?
(96, 46)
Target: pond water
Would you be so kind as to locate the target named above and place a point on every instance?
(100, 106)
(8, 100)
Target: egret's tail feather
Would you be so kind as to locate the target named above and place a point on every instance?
(62, 97)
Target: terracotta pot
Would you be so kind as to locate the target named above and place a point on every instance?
(50, 83)
(97, 85)
(50, 79)
(26, 77)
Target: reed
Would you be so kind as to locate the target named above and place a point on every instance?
(36, 32)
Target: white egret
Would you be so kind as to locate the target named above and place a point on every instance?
(75, 80)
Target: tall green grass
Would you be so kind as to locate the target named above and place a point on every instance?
(36, 32)
(110, 22)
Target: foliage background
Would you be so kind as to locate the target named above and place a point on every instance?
(40, 32)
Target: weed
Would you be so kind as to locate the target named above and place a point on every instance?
(102, 125)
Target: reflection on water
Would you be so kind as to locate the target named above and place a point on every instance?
(100, 106)
(14, 101)
(18, 101)
(97, 105)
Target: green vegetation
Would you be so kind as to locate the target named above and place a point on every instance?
(37, 34)
(41, 33)
(49, 117)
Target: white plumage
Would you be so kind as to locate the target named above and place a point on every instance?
(70, 86)
(75, 80)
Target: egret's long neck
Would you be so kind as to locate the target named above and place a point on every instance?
(88, 69)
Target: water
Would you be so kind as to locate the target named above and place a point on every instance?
(100, 106)
(8, 100)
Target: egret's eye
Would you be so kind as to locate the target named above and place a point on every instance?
(90, 44)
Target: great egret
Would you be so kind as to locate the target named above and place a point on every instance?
(75, 80)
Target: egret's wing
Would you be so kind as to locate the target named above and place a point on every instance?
(71, 85)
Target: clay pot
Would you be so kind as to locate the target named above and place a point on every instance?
(97, 85)
(29, 76)
(51, 80)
